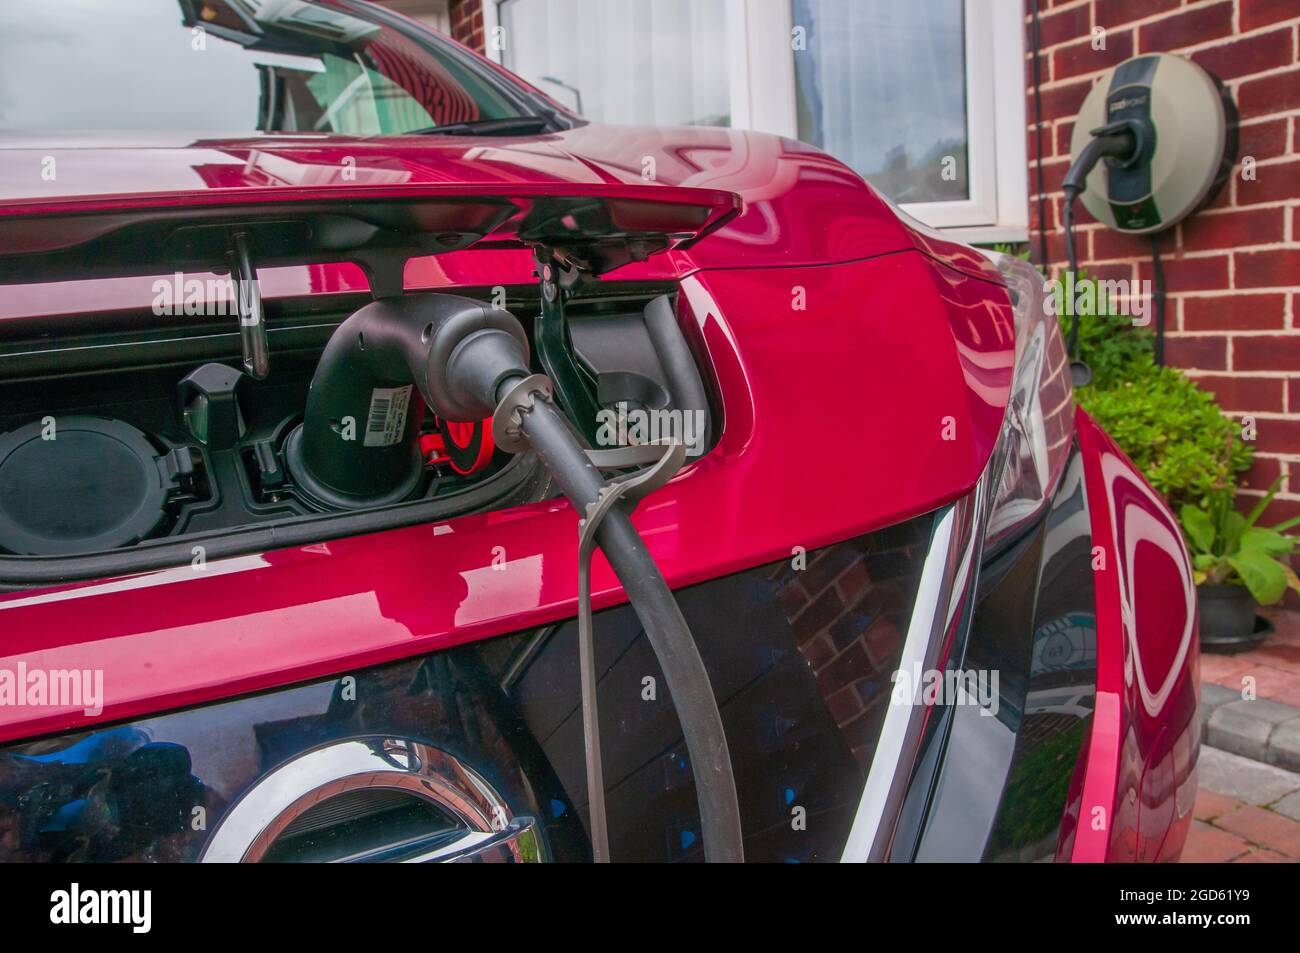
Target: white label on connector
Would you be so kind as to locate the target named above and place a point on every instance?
(387, 417)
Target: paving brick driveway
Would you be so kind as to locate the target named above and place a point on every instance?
(1274, 665)
(1246, 812)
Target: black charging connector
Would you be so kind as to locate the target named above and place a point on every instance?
(469, 361)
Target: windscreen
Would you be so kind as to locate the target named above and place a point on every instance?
(230, 68)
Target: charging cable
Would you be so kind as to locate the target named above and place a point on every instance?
(1124, 142)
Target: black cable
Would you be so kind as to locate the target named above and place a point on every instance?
(1113, 140)
(1038, 140)
(665, 628)
(1071, 254)
(1159, 298)
(1080, 372)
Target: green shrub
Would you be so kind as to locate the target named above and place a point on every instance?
(1173, 431)
(1170, 428)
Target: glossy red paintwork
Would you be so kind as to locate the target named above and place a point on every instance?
(800, 207)
(834, 422)
(1134, 798)
(791, 381)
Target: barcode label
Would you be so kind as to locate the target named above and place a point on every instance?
(387, 417)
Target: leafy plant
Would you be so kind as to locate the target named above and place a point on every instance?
(1229, 548)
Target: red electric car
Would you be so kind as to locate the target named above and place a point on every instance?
(319, 333)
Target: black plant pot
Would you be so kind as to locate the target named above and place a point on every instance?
(1228, 619)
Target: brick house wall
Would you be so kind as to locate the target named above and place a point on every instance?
(1233, 270)
(467, 23)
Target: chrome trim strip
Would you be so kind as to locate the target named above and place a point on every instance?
(948, 578)
(519, 842)
(486, 825)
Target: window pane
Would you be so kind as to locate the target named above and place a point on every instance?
(881, 85)
(633, 61)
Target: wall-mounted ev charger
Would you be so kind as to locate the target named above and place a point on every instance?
(1154, 142)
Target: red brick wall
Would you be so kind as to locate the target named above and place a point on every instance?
(467, 23)
(1232, 271)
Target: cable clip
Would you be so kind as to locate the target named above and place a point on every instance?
(667, 460)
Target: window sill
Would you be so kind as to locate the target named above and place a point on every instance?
(987, 234)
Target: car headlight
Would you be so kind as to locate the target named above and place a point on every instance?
(1039, 425)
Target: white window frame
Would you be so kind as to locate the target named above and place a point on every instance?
(763, 99)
